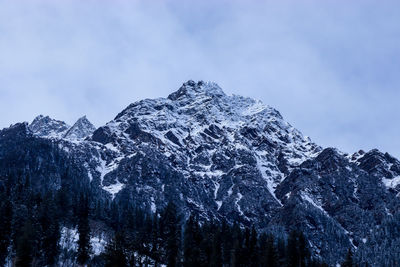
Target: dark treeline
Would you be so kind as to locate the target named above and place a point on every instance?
(31, 222)
(164, 240)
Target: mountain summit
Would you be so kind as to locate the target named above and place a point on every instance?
(80, 130)
(44, 126)
(191, 89)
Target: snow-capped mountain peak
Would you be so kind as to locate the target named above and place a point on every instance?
(80, 130)
(191, 89)
(210, 136)
(44, 126)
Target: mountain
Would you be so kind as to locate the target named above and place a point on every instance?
(44, 126)
(226, 154)
(81, 129)
(223, 158)
(381, 165)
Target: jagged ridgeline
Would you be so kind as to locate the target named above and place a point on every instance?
(226, 164)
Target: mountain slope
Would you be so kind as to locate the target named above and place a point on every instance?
(231, 158)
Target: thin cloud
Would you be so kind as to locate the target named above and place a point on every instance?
(331, 68)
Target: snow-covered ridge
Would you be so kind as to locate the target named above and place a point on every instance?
(381, 165)
(46, 127)
(195, 107)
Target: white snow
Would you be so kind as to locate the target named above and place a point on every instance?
(239, 197)
(114, 188)
(230, 190)
(195, 203)
(215, 173)
(90, 176)
(112, 147)
(307, 198)
(352, 243)
(104, 169)
(271, 184)
(153, 206)
(98, 245)
(355, 189)
(219, 204)
(89, 172)
(257, 107)
(391, 183)
(69, 238)
(217, 185)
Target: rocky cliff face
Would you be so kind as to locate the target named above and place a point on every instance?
(233, 158)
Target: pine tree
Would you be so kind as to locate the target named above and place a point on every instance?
(191, 243)
(281, 252)
(205, 238)
(270, 252)
(6, 214)
(130, 230)
(303, 251)
(236, 245)
(292, 250)
(171, 233)
(84, 231)
(50, 230)
(348, 262)
(226, 242)
(115, 251)
(154, 239)
(25, 245)
(216, 256)
(244, 251)
(253, 250)
(63, 202)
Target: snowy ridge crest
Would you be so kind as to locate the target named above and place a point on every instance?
(44, 126)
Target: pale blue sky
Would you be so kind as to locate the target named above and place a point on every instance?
(332, 68)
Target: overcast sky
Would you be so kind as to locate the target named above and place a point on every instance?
(332, 68)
